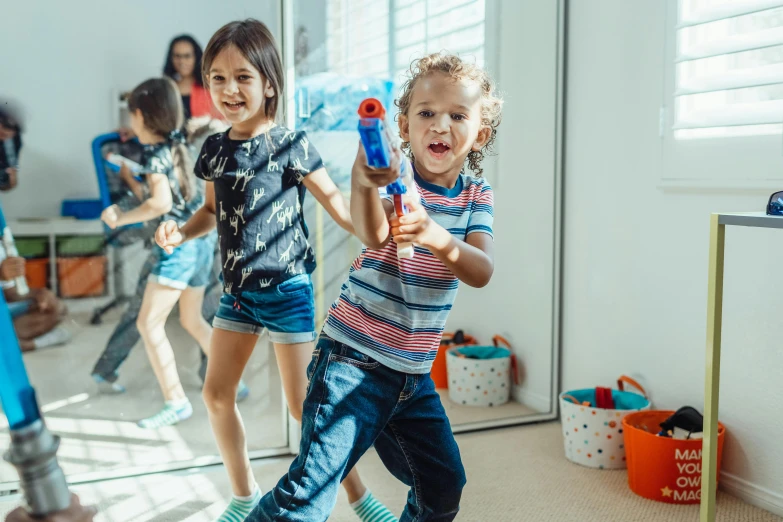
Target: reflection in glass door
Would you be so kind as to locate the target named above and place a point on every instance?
(343, 51)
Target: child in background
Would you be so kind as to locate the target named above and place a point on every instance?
(36, 315)
(156, 118)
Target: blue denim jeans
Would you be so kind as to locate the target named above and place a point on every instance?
(354, 402)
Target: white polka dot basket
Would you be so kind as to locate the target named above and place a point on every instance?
(592, 421)
(481, 375)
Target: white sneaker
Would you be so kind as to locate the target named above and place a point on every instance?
(54, 337)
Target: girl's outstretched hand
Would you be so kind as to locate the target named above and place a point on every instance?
(111, 216)
(169, 236)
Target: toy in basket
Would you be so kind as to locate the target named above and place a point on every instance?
(665, 469)
(481, 375)
(592, 421)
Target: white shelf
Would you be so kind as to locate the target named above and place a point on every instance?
(51, 228)
(55, 226)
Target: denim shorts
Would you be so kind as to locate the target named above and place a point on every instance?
(190, 264)
(287, 311)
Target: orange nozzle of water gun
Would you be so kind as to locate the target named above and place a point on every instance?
(372, 108)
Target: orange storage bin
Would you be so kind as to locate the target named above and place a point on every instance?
(37, 272)
(81, 276)
(663, 468)
(438, 372)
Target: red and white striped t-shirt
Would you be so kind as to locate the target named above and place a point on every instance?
(394, 310)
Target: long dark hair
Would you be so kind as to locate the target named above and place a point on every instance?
(256, 43)
(160, 104)
(168, 68)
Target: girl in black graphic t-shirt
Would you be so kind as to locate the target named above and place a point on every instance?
(257, 175)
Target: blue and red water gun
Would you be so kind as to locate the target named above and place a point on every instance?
(379, 145)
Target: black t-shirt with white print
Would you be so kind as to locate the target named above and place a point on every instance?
(157, 159)
(259, 196)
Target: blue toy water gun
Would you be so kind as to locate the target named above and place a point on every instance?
(379, 146)
(115, 161)
(11, 251)
(33, 450)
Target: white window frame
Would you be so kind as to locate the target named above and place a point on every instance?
(744, 163)
(393, 65)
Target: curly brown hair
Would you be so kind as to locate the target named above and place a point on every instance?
(455, 67)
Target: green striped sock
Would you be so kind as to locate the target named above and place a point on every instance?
(240, 507)
(171, 414)
(370, 509)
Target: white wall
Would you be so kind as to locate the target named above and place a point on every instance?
(63, 61)
(635, 267)
(518, 302)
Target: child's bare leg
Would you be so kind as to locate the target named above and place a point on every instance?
(228, 356)
(191, 318)
(35, 323)
(155, 309)
(229, 353)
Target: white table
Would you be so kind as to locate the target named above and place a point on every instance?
(718, 223)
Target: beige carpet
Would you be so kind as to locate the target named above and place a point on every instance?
(99, 432)
(514, 475)
(460, 415)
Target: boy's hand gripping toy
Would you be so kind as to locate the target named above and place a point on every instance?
(379, 145)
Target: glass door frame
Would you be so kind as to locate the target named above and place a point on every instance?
(285, 27)
(492, 50)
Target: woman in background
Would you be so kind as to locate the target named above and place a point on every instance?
(183, 65)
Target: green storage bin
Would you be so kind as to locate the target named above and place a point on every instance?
(80, 245)
(32, 247)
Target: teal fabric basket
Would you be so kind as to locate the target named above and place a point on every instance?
(623, 400)
(593, 436)
(480, 375)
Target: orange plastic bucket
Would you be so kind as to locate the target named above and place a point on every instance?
(661, 468)
(438, 372)
(81, 276)
(37, 272)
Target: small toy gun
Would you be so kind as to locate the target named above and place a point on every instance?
(115, 161)
(379, 145)
(11, 251)
(33, 450)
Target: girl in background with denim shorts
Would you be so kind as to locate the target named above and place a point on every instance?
(156, 116)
